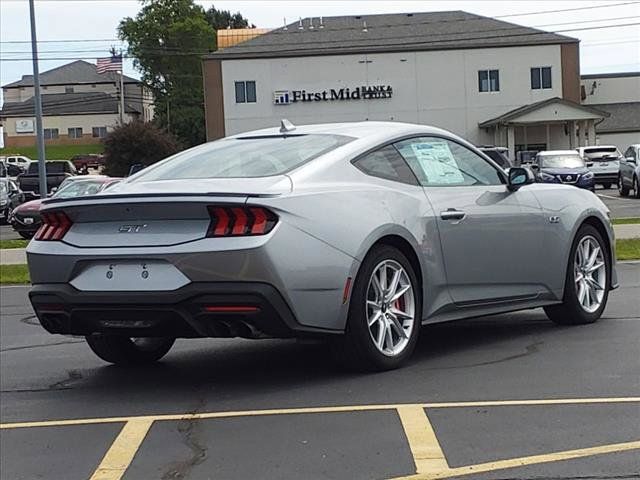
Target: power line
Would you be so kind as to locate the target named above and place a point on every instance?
(359, 27)
(166, 49)
(403, 37)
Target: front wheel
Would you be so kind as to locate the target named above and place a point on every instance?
(587, 282)
(636, 187)
(384, 314)
(606, 186)
(129, 351)
(26, 235)
(624, 191)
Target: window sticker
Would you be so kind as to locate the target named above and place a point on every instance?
(438, 162)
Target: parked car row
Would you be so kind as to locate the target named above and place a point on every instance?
(25, 218)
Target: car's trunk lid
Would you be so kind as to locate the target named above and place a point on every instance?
(157, 213)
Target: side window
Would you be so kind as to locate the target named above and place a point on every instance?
(386, 163)
(438, 162)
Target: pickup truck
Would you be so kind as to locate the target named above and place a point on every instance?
(86, 161)
(57, 172)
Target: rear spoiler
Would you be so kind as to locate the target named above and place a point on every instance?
(125, 197)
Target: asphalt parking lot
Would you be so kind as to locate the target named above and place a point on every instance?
(511, 396)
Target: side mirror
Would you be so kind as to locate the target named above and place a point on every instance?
(518, 177)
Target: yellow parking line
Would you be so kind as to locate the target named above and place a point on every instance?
(427, 454)
(122, 450)
(304, 410)
(524, 461)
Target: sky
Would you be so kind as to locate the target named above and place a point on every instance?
(92, 25)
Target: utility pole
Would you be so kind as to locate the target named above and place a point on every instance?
(42, 169)
(122, 93)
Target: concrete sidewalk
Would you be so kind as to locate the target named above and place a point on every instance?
(14, 256)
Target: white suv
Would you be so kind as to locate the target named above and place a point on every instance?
(18, 160)
(604, 162)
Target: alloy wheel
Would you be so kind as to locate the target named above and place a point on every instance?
(390, 307)
(590, 274)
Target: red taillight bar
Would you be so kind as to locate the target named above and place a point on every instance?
(54, 226)
(240, 221)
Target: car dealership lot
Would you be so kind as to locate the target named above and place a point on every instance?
(168, 421)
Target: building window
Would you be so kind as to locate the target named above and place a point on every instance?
(99, 132)
(540, 78)
(50, 133)
(68, 89)
(245, 92)
(75, 132)
(488, 80)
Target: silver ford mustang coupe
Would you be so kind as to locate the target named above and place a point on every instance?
(355, 232)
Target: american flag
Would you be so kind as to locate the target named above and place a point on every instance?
(109, 64)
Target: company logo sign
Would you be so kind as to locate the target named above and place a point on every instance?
(365, 92)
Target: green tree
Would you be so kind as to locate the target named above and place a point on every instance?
(136, 143)
(168, 39)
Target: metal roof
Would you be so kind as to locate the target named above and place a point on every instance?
(610, 75)
(388, 33)
(623, 117)
(71, 73)
(69, 104)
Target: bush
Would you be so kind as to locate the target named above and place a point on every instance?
(136, 143)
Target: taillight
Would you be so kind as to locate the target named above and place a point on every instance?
(54, 226)
(240, 221)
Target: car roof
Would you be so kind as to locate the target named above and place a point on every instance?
(352, 129)
(597, 147)
(558, 152)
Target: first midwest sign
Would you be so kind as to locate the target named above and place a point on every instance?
(365, 92)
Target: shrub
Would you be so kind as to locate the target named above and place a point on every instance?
(136, 143)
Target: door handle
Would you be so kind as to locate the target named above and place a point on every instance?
(452, 214)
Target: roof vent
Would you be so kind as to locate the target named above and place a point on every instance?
(285, 23)
(364, 26)
(409, 14)
(300, 26)
(321, 24)
(311, 23)
(358, 17)
(286, 126)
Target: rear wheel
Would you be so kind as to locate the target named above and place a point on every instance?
(587, 283)
(636, 187)
(624, 191)
(606, 185)
(384, 314)
(129, 351)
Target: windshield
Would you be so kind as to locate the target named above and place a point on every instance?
(602, 153)
(244, 157)
(79, 189)
(560, 161)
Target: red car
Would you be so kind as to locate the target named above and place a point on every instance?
(25, 218)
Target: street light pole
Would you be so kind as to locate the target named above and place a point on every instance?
(42, 169)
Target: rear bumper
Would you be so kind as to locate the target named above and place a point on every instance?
(179, 313)
(605, 178)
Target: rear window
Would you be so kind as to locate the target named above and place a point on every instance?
(497, 157)
(244, 157)
(602, 153)
(52, 167)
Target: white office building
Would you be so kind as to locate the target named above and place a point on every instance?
(489, 81)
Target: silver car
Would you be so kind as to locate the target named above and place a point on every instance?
(358, 233)
(629, 177)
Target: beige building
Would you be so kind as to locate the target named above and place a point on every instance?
(79, 105)
(618, 94)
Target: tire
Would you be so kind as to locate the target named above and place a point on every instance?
(624, 191)
(572, 311)
(26, 235)
(357, 349)
(127, 351)
(606, 186)
(636, 187)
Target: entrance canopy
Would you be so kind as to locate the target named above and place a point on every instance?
(555, 123)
